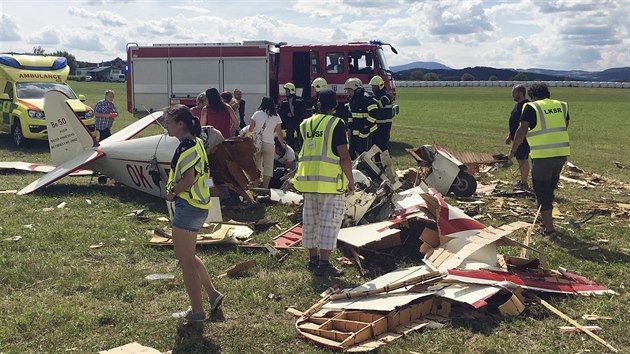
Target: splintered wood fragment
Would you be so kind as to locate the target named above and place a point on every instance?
(564, 329)
(238, 268)
(162, 233)
(420, 279)
(529, 234)
(595, 317)
(294, 311)
(573, 322)
(358, 258)
(572, 180)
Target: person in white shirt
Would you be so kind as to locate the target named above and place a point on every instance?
(285, 155)
(264, 125)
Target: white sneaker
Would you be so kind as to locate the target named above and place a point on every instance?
(189, 316)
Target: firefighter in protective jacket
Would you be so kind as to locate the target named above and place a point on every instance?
(292, 112)
(384, 118)
(319, 84)
(362, 118)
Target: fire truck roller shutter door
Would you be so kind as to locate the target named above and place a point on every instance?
(251, 76)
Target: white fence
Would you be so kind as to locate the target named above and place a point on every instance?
(400, 83)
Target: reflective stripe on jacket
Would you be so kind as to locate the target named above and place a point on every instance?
(363, 111)
(198, 195)
(319, 170)
(549, 138)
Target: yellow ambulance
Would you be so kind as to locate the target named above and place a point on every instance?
(24, 79)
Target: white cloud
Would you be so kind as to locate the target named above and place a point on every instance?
(192, 9)
(554, 34)
(47, 35)
(83, 42)
(9, 28)
(106, 18)
(110, 19)
(165, 28)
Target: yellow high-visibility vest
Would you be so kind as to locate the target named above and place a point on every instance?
(198, 195)
(549, 138)
(319, 170)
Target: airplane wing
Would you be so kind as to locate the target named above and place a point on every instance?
(38, 167)
(62, 170)
(133, 129)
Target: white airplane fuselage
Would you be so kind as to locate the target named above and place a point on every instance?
(129, 162)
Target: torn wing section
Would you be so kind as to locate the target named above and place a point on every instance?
(62, 170)
(133, 129)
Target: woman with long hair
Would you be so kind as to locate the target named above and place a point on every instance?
(219, 114)
(187, 187)
(266, 123)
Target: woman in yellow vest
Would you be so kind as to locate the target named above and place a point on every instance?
(322, 163)
(188, 187)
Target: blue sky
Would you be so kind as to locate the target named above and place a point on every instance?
(552, 34)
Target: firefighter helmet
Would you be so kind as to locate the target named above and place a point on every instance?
(377, 81)
(289, 86)
(353, 83)
(319, 84)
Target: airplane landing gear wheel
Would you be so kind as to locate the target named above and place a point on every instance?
(464, 185)
(102, 179)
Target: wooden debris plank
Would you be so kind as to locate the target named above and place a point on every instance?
(574, 322)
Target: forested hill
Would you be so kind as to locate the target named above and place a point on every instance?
(482, 73)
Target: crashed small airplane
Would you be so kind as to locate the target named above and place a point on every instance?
(141, 163)
(462, 269)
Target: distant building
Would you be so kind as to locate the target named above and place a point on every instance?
(106, 71)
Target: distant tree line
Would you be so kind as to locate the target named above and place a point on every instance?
(72, 61)
(471, 74)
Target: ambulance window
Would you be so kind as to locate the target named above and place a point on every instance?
(36, 90)
(334, 63)
(8, 89)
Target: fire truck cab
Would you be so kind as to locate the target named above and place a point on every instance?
(336, 63)
(167, 74)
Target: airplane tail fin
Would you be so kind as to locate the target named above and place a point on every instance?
(67, 135)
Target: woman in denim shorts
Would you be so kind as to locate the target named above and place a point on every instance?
(187, 187)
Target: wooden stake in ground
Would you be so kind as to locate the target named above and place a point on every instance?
(529, 234)
(573, 322)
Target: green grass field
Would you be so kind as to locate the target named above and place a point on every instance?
(61, 296)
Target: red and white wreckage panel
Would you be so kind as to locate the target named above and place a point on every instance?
(461, 268)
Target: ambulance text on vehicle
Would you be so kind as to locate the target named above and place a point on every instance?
(25, 79)
(165, 74)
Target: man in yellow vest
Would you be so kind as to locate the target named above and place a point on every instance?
(545, 123)
(324, 174)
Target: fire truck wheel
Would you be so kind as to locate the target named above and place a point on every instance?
(16, 133)
(464, 185)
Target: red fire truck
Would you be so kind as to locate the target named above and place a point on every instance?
(164, 74)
